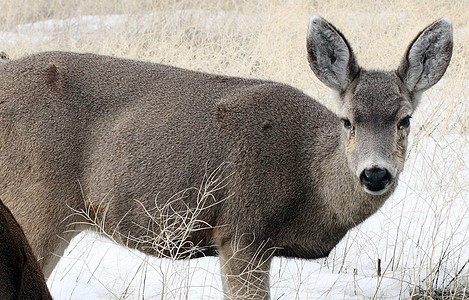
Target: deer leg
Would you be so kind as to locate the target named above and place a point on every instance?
(47, 218)
(245, 270)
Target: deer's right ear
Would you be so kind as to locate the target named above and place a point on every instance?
(330, 56)
(427, 57)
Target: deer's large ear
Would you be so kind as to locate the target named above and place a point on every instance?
(427, 57)
(330, 56)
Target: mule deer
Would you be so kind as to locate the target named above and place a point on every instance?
(131, 142)
(20, 275)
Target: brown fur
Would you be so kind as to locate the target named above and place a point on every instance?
(20, 275)
(184, 164)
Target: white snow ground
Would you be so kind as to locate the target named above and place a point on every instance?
(420, 234)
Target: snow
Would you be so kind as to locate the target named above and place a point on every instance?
(422, 228)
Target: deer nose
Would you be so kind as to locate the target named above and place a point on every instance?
(375, 179)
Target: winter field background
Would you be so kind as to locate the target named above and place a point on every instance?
(420, 235)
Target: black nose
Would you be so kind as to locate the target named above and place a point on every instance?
(375, 179)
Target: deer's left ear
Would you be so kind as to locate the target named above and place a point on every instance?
(427, 57)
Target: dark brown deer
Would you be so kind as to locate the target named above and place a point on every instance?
(20, 275)
(185, 164)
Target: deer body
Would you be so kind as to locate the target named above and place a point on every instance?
(135, 145)
(20, 275)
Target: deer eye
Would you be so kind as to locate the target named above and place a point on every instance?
(347, 124)
(404, 123)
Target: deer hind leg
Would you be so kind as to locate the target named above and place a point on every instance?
(49, 243)
(245, 270)
(47, 218)
(50, 260)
